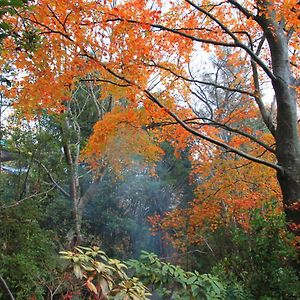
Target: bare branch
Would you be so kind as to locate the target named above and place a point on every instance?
(26, 198)
(203, 82)
(245, 11)
(55, 183)
(237, 42)
(7, 288)
(105, 81)
(265, 115)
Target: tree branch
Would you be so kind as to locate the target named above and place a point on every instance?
(7, 288)
(55, 183)
(202, 82)
(209, 139)
(105, 81)
(242, 9)
(265, 115)
(216, 124)
(26, 198)
(176, 31)
(237, 42)
(249, 136)
(188, 128)
(92, 189)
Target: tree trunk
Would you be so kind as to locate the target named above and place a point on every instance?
(290, 188)
(74, 194)
(287, 135)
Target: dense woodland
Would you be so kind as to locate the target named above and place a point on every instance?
(149, 149)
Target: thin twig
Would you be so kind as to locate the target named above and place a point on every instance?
(26, 198)
(55, 183)
(7, 288)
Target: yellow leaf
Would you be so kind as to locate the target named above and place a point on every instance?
(91, 287)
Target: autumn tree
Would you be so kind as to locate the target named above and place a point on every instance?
(228, 188)
(144, 51)
(72, 128)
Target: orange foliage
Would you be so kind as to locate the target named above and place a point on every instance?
(229, 189)
(118, 138)
(125, 47)
(124, 42)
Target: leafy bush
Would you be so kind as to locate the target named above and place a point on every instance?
(173, 282)
(26, 254)
(104, 277)
(263, 258)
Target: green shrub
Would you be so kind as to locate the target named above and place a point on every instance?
(263, 258)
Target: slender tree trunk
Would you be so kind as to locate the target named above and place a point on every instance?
(79, 200)
(74, 194)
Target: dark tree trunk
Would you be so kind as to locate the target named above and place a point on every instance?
(7, 156)
(290, 188)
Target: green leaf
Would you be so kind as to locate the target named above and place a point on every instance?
(5, 26)
(195, 290)
(4, 3)
(165, 269)
(17, 3)
(3, 36)
(191, 280)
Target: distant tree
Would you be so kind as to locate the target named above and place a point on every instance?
(117, 216)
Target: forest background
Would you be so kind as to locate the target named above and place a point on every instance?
(116, 133)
